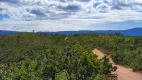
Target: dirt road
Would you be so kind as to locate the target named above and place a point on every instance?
(122, 72)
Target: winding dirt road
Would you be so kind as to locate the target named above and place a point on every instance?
(122, 72)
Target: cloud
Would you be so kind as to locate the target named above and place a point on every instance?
(60, 9)
(71, 12)
(1, 9)
(40, 25)
(125, 4)
(49, 9)
(70, 8)
(39, 14)
(103, 8)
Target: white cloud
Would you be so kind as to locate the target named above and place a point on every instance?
(66, 13)
(104, 8)
(40, 25)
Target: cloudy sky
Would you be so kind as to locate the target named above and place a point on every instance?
(69, 15)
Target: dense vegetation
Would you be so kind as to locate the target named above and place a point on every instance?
(30, 56)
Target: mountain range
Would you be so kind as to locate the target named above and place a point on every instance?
(128, 32)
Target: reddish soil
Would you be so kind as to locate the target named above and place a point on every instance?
(122, 72)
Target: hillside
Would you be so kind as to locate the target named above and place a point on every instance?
(58, 57)
(4, 32)
(128, 32)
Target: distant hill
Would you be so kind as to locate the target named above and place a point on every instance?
(3, 32)
(128, 32)
(133, 32)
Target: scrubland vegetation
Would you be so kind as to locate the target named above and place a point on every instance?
(30, 56)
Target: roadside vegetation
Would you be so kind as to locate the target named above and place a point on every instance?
(30, 56)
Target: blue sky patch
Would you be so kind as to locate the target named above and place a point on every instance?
(96, 4)
(118, 25)
(105, 1)
(3, 16)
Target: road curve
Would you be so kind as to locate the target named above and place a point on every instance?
(122, 72)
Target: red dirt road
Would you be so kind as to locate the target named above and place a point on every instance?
(122, 72)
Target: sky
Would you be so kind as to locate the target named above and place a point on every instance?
(70, 15)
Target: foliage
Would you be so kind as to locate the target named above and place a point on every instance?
(30, 56)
